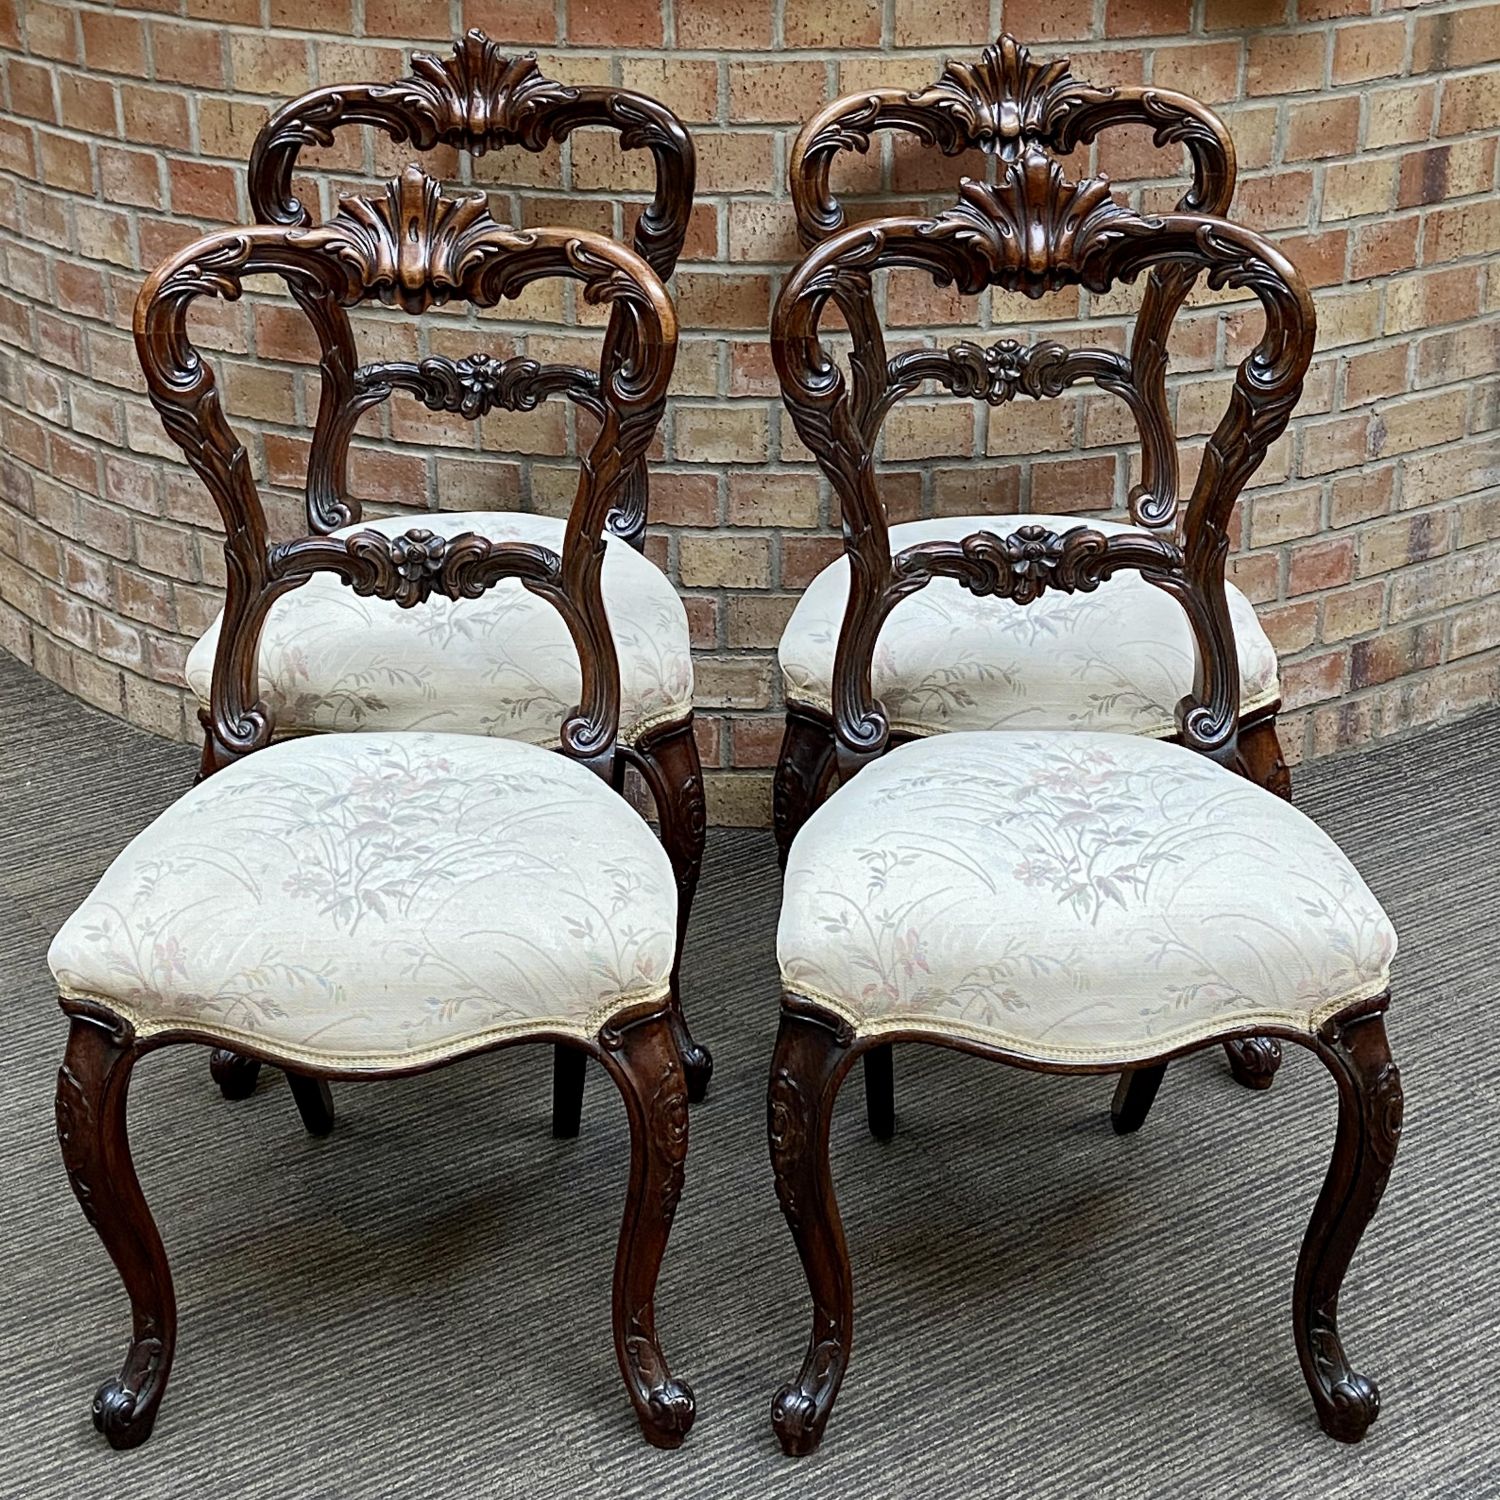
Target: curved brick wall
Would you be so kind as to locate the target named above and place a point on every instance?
(1367, 142)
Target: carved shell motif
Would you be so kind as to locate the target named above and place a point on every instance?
(1002, 99)
(1038, 230)
(479, 98)
(413, 247)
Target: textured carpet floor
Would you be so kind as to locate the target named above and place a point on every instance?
(419, 1304)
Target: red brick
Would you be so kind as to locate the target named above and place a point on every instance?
(189, 54)
(114, 43)
(615, 23)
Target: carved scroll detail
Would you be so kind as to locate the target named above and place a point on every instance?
(1025, 564)
(476, 384)
(996, 373)
(786, 1126)
(1035, 231)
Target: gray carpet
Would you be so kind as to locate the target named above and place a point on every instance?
(419, 1304)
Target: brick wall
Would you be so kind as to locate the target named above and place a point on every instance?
(1368, 143)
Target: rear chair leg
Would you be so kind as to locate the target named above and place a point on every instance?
(669, 763)
(569, 1068)
(1134, 1095)
(92, 1086)
(235, 1074)
(314, 1102)
(880, 1091)
(803, 770)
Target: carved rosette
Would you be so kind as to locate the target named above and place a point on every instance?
(477, 384)
(1025, 563)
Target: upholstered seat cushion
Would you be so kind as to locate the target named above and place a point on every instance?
(380, 900)
(1118, 659)
(503, 664)
(1076, 897)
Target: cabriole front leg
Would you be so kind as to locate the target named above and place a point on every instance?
(812, 1057)
(1370, 1110)
(92, 1086)
(643, 1060)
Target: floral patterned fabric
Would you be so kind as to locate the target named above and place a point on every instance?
(380, 900)
(503, 664)
(1074, 897)
(1118, 659)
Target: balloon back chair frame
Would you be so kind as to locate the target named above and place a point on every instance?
(411, 247)
(1034, 232)
(479, 100)
(1008, 106)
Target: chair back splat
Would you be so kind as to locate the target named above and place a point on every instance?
(412, 247)
(478, 100)
(1006, 105)
(1035, 231)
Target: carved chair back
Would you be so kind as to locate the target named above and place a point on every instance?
(1010, 107)
(1033, 232)
(412, 247)
(478, 100)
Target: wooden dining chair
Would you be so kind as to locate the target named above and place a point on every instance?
(332, 662)
(1079, 901)
(954, 663)
(359, 906)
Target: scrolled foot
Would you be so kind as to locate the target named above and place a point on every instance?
(698, 1067)
(125, 1406)
(1352, 1405)
(670, 1409)
(234, 1073)
(1254, 1061)
(797, 1420)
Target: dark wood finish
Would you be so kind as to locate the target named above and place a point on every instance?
(1008, 106)
(880, 1092)
(667, 758)
(638, 1050)
(236, 1075)
(569, 1070)
(1358, 1055)
(813, 1053)
(314, 1102)
(1034, 231)
(92, 1086)
(804, 773)
(642, 1058)
(412, 247)
(1134, 1095)
(815, 1050)
(478, 100)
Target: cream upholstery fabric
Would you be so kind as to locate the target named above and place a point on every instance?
(503, 664)
(1119, 658)
(371, 900)
(1074, 897)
